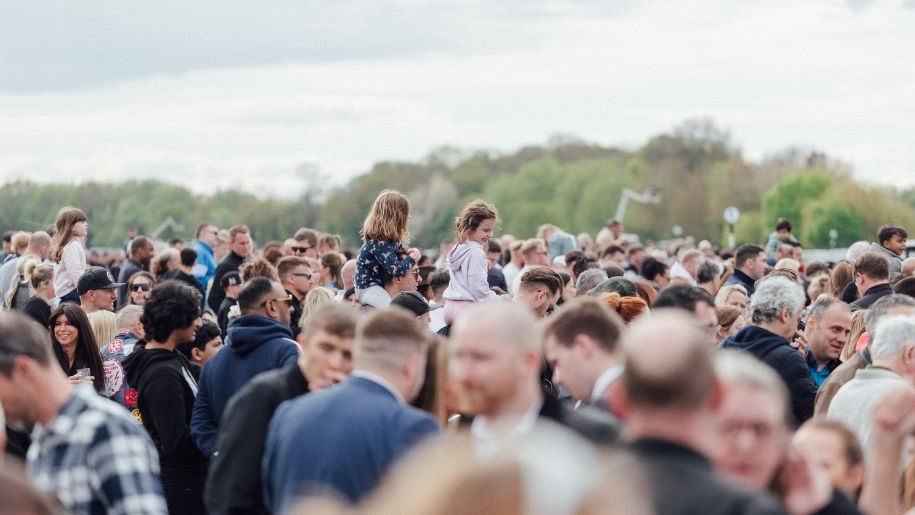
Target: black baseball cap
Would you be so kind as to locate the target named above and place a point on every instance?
(413, 301)
(96, 278)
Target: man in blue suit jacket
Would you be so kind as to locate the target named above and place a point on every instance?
(345, 437)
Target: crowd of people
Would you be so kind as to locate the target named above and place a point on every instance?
(552, 374)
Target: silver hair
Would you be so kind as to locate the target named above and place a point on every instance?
(894, 334)
(772, 295)
(879, 309)
(129, 315)
(589, 279)
(736, 368)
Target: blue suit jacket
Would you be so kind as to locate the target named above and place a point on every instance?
(344, 438)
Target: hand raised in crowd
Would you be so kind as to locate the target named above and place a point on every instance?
(800, 342)
(414, 253)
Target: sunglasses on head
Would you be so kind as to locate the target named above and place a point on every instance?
(140, 287)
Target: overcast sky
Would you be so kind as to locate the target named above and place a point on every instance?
(239, 94)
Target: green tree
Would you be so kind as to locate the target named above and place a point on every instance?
(787, 198)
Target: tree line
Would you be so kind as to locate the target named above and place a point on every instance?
(568, 182)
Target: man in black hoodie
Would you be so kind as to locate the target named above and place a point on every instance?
(776, 309)
(166, 390)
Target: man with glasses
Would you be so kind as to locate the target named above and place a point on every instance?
(296, 277)
(240, 246)
(306, 243)
(205, 266)
(258, 340)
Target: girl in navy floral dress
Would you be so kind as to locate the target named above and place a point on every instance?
(384, 234)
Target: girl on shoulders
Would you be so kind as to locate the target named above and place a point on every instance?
(384, 234)
(469, 267)
(68, 251)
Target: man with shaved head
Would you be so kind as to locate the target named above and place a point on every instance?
(669, 407)
(495, 365)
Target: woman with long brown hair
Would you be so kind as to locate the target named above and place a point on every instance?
(74, 345)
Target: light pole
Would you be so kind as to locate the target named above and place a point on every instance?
(731, 216)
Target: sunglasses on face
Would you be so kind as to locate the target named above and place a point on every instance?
(140, 287)
(301, 274)
(287, 299)
(300, 250)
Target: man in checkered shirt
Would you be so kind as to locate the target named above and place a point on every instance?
(86, 450)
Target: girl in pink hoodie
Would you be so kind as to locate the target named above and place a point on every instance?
(467, 260)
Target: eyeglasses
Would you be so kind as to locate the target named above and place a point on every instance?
(302, 274)
(300, 249)
(140, 287)
(414, 272)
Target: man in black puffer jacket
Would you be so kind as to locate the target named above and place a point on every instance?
(776, 309)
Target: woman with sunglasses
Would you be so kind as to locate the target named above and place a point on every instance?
(138, 287)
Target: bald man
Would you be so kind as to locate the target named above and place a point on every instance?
(669, 407)
(495, 365)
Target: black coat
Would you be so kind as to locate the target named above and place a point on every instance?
(230, 263)
(234, 486)
(682, 481)
(872, 295)
(774, 351)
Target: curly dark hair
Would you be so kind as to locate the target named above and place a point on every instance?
(87, 354)
(172, 305)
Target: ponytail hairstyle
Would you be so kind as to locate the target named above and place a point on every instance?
(25, 267)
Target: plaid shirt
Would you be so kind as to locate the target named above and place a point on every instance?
(96, 459)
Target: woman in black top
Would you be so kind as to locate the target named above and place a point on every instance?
(42, 283)
(74, 344)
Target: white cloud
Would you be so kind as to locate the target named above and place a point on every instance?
(237, 112)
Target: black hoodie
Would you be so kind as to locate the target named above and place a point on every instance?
(166, 390)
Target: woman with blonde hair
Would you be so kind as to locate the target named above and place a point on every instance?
(41, 280)
(733, 295)
(19, 288)
(857, 330)
(313, 300)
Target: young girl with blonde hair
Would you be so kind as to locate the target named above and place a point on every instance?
(384, 233)
(467, 260)
(68, 252)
